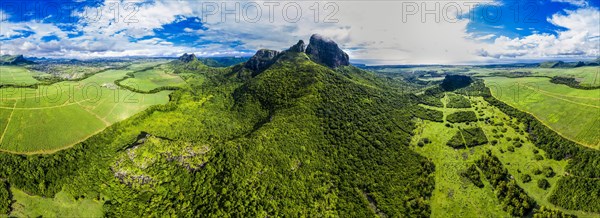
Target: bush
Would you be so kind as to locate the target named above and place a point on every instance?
(537, 172)
(526, 178)
(473, 175)
(543, 184)
(462, 117)
(5, 198)
(539, 157)
(511, 148)
(548, 172)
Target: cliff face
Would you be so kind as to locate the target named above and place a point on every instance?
(262, 60)
(298, 47)
(325, 51)
(187, 58)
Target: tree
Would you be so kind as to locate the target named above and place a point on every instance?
(543, 184)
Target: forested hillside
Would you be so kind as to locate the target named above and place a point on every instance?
(294, 138)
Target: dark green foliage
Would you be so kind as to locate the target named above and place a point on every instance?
(572, 192)
(473, 175)
(428, 114)
(456, 141)
(548, 171)
(577, 193)
(544, 212)
(354, 129)
(468, 137)
(5, 198)
(474, 136)
(526, 178)
(426, 140)
(511, 148)
(454, 82)
(571, 82)
(543, 184)
(458, 101)
(461, 117)
(432, 97)
(513, 198)
(298, 139)
(538, 157)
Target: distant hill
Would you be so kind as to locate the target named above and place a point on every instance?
(14, 60)
(562, 64)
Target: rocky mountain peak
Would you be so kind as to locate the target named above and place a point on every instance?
(325, 51)
(298, 47)
(262, 60)
(187, 57)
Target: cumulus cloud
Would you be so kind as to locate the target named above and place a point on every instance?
(580, 39)
(580, 3)
(378, 32)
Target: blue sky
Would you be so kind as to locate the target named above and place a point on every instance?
(373, 32)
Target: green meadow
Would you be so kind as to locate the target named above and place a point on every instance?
(62, 205)
(153, 78)
(454, 194)
(17, 75)
(573, 113)
(31, 119)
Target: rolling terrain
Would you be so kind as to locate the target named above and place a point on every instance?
(571, 112)
(31, 118)
(298, 132)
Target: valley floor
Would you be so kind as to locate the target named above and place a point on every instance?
(455, 195)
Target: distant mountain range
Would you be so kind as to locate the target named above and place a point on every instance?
(562, 64)
(14, 60)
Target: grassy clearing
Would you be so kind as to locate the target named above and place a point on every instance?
(152, 79)
(62, 205)
(72, 110)
(16, 75)
(573, 113)
(455, 195)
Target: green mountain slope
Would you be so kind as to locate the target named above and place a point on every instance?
(297, 138)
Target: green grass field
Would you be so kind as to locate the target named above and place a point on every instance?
(17, 75)
(573, 113)
(62, 205)
(456, 196)
(31, 119)
(588, 76)
(152, 79)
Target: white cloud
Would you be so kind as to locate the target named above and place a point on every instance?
(376, 32)
(580, 3)
(581, 39)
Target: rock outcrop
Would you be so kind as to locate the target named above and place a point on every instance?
(262, 60)
(298, 47)
(325, 51)
(186, 58)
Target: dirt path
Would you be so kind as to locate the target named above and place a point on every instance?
(43, 108)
